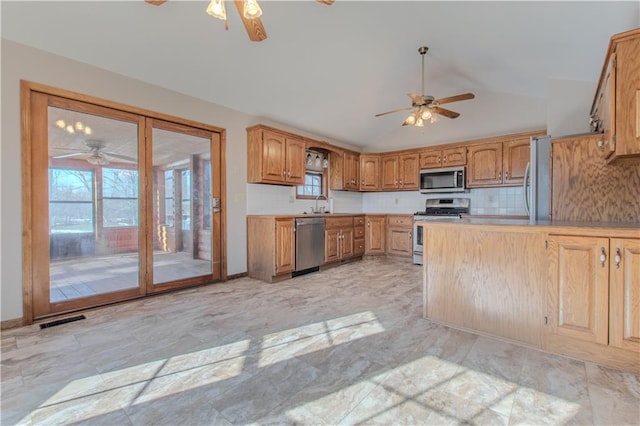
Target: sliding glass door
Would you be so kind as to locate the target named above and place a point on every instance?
(118, 205)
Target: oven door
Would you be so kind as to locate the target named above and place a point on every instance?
(417, 242)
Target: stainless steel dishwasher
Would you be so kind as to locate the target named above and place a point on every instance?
(309, 243)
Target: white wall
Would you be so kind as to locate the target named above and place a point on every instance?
(569, 106)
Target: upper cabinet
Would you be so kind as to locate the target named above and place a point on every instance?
(274, 157)
(616, 107)
(344, 171)
(445, 157)
(369, 172)
(400, 171)
(500, 163)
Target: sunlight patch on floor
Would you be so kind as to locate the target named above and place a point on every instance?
(286, 344)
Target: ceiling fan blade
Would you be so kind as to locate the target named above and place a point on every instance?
(75, 154)
(462, 97)
(254, 26)
(121, 157)
(327, 2)
(395, 110)
(156, 2)
(416, 99)
(445, 112)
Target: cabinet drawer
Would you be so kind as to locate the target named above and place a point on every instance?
(358, 247)
(338, 222)
(358, 232)
(402, 221)
(358, 221)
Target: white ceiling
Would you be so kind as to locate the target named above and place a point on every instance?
(330, 69)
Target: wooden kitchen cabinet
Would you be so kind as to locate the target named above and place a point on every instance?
(616, 107)
(443, 157)
(594, 297)
(624, 294)
(274, 157)
(400, 171)
(399, 235)
(369, 172)
(375, 234)
(580, 287)
(270, 247)
(344, 171)
(358, 235)
(498, 163)
(338, 241)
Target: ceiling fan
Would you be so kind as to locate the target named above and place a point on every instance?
(249, 11)
(426, 107)
(96, 155)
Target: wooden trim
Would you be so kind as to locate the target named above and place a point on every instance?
(27, 218)
(54, 91)
(12, 323)
(35, 99)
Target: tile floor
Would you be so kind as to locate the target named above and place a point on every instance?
(343, 346)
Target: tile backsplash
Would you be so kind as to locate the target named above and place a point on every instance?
(275, 199)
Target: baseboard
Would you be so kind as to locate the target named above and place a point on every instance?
(12, 323)
(236, 276)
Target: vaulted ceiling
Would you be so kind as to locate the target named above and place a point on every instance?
(330, 69)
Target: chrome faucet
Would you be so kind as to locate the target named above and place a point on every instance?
(316, 209)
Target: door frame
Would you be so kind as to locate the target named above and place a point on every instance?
(29, 133)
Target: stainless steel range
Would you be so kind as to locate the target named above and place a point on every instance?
(436, 209)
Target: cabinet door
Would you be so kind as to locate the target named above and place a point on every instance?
(579, 296)
(515, 158)
(389, 172)
(627, 97)
(485, 165)
(295, 165)
(273, 156)
(369, 172)
(409, 173)
(399, 241)
(624, 293)
(454, 156)
(285, 247)
(331, 245)
(374, 236)
(431, 159)
(351, 171)
(346, 242)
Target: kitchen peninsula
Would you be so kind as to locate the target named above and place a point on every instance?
(569, 288)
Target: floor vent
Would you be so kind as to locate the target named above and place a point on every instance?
(62, 321)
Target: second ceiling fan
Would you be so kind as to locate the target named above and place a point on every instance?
(426, 107)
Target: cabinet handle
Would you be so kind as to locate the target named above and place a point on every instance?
(445, 159)
(500, 176)
(362, 183)
(603, 256)
(409, 234)
(401, 182)
(506, 174)
(369, 224)
(284, 172)
(288, 173)
(617, 258)
(601, 144)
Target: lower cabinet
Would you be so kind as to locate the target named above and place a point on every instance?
(270, 247)
(375, 234)
(399, 235)
(594, 297)
(338, 238)
(358, 235)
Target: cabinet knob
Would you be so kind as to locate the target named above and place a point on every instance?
(617, 258)
(410, 235)
(506, 174)
(445, 159)
(603, 256)
(500, 176)
(600, 144)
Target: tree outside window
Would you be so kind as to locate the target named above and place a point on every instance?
(119, 197)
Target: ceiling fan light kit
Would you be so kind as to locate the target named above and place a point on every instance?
(426, 108)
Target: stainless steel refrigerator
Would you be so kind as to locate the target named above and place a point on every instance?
(537, 180)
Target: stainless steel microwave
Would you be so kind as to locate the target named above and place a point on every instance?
(450, 179)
